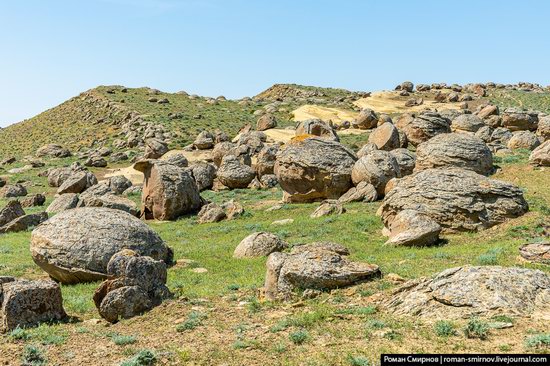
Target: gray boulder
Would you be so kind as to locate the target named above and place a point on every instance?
(204, 175)
(376, 168)
(523, 140)
(410, 228)
(63, 202)
(366, 119)
(536, 252)
(53, 151)
(457, 199)
(541, 155)
(423, 127)
(364, 191)
(455, 150)
(28, 303)
(233, 174)
(468, 291)
(328, 207)
(13, 190)
(23, 223)
(313, 169)
(467, 123)
(316, 127)
(119, 183)
(259, 244)
(385, 137)
(10, 212)
(154, 148)
(76, 245)
(518, 120)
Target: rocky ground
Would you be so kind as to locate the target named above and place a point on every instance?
(422, 228)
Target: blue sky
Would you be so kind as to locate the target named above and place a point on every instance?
(53, 50)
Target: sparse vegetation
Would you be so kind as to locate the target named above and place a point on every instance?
(299, 336)
(142, 358)
(538, 341)
(444, 328)
(33, 356)
(476, 329)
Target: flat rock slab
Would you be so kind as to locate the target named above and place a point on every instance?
(463, 292)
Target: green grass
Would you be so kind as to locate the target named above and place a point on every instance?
(515, 98)
(299, 336)
(194, 319)
(33, 356)
(142, 358)
(476, 328)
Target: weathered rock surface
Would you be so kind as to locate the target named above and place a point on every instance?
(518, 120)
(13, 190)
(211, 212)
(464, 292)
(265, 161)
(523, 140)
(536, 252)
(541, 155)
(406, 160)
(423, 127)
(76, 245)
(544, 128)
(457, 199)
(314, 169)
(35, 200)
(136, 284)
(154, 148)
(63, 202)
(316, 127)
(366, 119)
(328, 207)
(119, 183)
(409, 228)
(53, 151)
(203, 174)
(29, 303)
(455, 150)
(319, 266)
(266, 122)
(204, 141)
(24, 222)
(177, 159)
(385, 137)
(10, 212)
(467, 123)
(259, 244)
(376, 168)
(108, 200)
(364, 191)
(78, 180)
(233, 174)
(168, 190)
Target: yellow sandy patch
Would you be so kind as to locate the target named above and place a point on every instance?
(391, 102)
(311, 111)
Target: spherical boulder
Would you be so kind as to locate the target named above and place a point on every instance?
(523, 140)
(76, 245)
(385, 137)
(376, 168)
(233, 174)
(467, 123)
(423, 127)
(455, 150)
(312, 168)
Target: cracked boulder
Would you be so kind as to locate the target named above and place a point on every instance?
(311, 169)
(457, 199)
(469, 291)
(25, 303)
(76, 245)
(259, 244)
(316, 266)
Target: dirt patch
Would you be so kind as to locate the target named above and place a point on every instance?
(391, 102)
(311, 111)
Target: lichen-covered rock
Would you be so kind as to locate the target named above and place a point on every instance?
(316, 127)
(33, 201)
(204, 141)
(154, 148)
(518, 120)
(328, 207)
(233, 174)
(467, 123)
(119, 183)
(385, 137)
(259, 244)
(10, 212)
(108, 200)
(168, 190)
(136, 284)
(53, 151)
(313, 169)
(544, 128)
(523, 140)
(13, 190)
(23, 223)
(364, 191)
(455, 150)
(178, 159)
(410, 228)
(423, 127)
(266, 122)
(457, 199)
(96, 161)
(78, 181)
(536, 252)
(204, 175)
(541, 155)
(265, 161)
(28, 303)
(468, 291)
(320, 266)
(222, 149)
(376, 168)
(63, 202)
(211, 212)
(366, 119)
(76, 245)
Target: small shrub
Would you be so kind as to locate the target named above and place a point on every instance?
(487, 259)
(33, 356)
(476, 329)
(365, 310)
(142, 358)
(254, 305)
(123, 340)
(503, 319)
(194, 319)
(444, 328)
(233, 287)
(299, 336)
(19, 334)
(376, 324)
(538, 341)
(280, 348)
(358, 361)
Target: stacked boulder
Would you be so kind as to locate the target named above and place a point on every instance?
(136, 284)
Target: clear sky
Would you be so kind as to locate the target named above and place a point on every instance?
(52, 50)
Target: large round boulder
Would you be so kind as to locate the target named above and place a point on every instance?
(316, 127)
(233, 174)
(423, 127)
(523, 140)
(385, 137)
(516, 119)
(169, 191)
(541, 155)
(457, 199)
(366, 119)
(467, 123)
(312, 168)
(376, 168)
(455, 150)
(76, 245)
